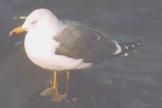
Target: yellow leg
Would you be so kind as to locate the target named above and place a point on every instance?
(57, 97)
(53, 89)
(54, 82)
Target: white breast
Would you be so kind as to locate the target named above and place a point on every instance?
(39, 49)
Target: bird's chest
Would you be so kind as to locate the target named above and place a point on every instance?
(38, 46)
(39, 50)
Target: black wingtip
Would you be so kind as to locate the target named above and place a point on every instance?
(127, 47)
(137, 43)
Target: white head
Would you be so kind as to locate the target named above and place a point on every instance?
(39, 18)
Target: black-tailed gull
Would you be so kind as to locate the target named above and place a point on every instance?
(64, 45)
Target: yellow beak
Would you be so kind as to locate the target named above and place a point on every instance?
(17, 30)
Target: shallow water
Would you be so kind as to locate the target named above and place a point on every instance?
(123, 82)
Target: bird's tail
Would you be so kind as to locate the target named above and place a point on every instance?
(123, 48)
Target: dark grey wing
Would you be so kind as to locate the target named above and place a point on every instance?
(79, 41)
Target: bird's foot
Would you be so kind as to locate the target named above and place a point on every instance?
(53, 92)
(58, 97)
(48, 92)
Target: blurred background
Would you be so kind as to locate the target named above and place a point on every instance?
(123, 82)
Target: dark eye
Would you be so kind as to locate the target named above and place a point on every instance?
(34, 22)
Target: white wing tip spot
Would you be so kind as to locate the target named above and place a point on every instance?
(118, 47)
